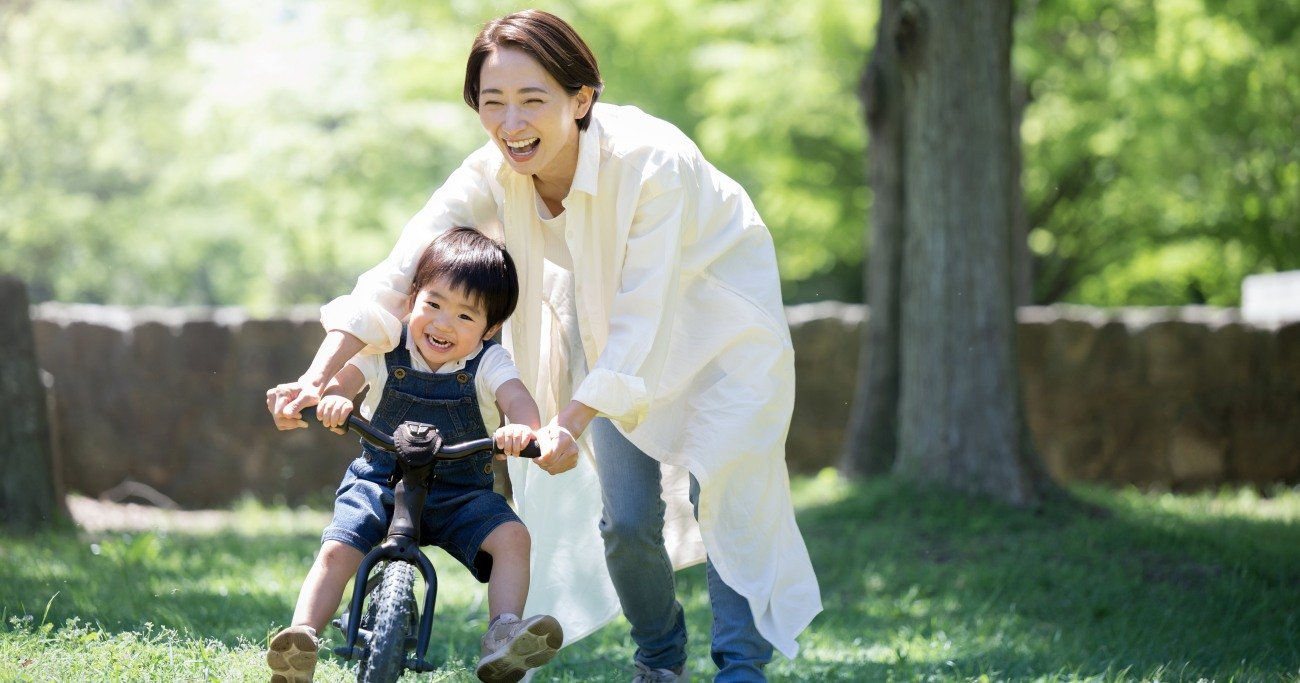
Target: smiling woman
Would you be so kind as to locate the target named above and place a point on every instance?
(650, 328)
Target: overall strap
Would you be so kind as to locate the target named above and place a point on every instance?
(400, 356)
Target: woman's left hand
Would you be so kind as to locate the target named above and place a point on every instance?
(559, 449)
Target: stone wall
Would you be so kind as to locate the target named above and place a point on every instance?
(175, 398)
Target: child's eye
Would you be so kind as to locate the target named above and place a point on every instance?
(466, 317)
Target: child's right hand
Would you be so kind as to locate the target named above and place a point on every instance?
(512, 438)
(333, 411)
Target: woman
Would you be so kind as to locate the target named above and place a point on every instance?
(641, 260)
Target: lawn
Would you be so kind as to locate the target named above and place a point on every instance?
(918, 586)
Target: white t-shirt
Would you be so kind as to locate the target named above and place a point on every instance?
(495, 369)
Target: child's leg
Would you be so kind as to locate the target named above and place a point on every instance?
(509, 545)
(512, 646)
(322, 590)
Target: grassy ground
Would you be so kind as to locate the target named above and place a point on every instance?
(918, 586)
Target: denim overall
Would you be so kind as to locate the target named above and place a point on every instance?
(461, 509)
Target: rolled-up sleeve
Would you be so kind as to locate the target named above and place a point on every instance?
(621, 385)
(373, 312)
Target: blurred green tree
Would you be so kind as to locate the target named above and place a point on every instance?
(267, 153)
(1162, 162)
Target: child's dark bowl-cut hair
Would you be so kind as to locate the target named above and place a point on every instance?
(474, 263)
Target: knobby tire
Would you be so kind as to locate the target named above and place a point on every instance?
(393, 605)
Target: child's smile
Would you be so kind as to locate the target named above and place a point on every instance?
(446, 324)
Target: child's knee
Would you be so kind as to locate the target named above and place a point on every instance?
(336, 555)
(509, 538)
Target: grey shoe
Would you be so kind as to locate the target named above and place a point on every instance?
(511, 647)
(292, 655)
(645, 674)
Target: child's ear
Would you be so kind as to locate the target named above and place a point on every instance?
(492, 331)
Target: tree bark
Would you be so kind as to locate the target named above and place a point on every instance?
(961, 421)
(29, 496)
(872, 433)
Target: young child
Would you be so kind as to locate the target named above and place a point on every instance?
(446, 372)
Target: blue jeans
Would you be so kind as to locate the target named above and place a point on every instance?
(632, 526)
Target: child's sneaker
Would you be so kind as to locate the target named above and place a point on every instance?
(511, 647)
(292, 655)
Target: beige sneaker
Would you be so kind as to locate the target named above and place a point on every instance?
(645, 674)
(292, 655)
(511, 647)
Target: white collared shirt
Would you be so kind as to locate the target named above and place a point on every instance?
(675, 307)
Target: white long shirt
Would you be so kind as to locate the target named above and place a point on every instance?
(674, 305)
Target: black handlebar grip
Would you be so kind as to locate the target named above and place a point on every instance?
(530, 451)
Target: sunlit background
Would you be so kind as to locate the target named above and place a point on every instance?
(264, 153)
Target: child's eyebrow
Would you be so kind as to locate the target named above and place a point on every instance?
(474, 305)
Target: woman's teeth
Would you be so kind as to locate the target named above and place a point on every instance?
(522, 147)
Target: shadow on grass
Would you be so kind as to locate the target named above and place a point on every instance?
(917, 585)
(938, 584)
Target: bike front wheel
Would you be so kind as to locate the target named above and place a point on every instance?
(393, 606)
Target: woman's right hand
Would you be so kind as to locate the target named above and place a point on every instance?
(286, 401)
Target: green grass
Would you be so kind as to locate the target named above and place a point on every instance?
(918, 586)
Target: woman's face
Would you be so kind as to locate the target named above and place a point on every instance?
(532, 119)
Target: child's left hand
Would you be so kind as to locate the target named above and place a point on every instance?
(512, 438)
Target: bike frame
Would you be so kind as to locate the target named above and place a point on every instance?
(418, 448)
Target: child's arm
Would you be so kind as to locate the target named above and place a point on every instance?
(336, 401)
(521, 414)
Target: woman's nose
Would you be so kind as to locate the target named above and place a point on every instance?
(514, 120)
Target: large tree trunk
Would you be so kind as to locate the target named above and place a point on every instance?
(960, 415)
(29, 496)
(872, 433)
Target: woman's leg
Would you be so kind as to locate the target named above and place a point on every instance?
(632, 527)
(738, 649)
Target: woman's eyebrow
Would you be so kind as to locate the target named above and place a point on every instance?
(527, 89)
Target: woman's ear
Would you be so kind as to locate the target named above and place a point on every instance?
(584, 98)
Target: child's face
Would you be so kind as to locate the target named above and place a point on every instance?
(446, 324)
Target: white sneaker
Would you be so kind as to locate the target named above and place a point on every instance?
(292, 655)
(511, 647)
(645, 674)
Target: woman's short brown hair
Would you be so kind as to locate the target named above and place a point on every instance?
(548, 39)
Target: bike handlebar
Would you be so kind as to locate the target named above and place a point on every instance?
(373, 436)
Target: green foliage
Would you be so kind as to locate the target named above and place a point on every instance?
(918, 585)
(1162, 162)
(264, 154)
(267, 153)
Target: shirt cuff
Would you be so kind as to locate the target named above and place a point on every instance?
(622, 398)
(367, 321)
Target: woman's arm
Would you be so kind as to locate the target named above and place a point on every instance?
(558, 440)
(371, 315)
(286, 401)
(624, 377)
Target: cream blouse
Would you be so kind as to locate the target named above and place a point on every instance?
(674, 305)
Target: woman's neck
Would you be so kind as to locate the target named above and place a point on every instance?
(554, 186)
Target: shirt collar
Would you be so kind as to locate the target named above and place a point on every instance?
(584, 178)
